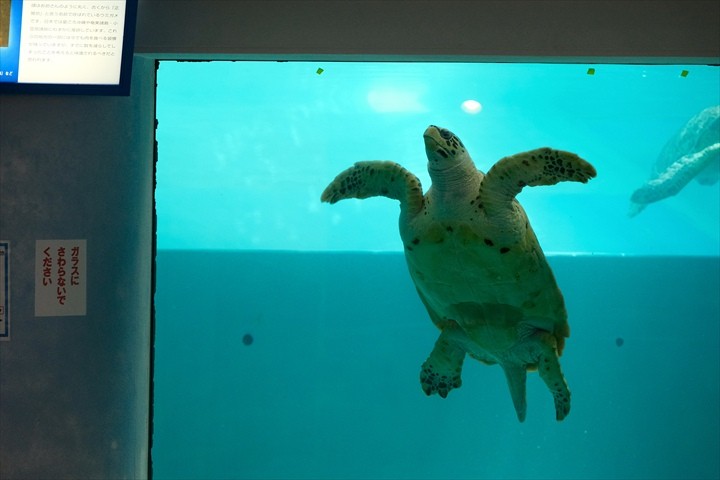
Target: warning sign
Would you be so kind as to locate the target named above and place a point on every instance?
(60, 277)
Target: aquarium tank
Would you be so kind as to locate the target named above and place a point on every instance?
(289, 333)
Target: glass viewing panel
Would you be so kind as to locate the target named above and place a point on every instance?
(287, 347)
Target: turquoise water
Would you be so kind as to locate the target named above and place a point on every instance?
(290, 337)
(329, 386)
(246, 149)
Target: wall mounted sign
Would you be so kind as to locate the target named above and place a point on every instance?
(60, 277)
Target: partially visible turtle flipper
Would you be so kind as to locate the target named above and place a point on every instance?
(549, 369)
(674, 178)
(442, 370)
(377, 178)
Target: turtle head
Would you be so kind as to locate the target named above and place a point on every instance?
(449, 164)
(444, 149)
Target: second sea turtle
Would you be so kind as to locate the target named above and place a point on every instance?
(693, 152)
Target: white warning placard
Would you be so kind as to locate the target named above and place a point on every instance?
(4, 290)
(60, 277)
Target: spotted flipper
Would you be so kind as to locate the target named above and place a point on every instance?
(507, 178)
(543, 166)
(549, 369)
(540, 351)
(442, 371)
(377, 178)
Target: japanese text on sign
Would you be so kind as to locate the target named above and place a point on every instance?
(60, 37)
(60, 285)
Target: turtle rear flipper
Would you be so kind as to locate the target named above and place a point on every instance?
(377, 179)
(442, 371)
(549, 369)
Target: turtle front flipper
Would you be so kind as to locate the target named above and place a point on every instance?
(442, 371)
(543, 166)
(377, 178)
(507, 178)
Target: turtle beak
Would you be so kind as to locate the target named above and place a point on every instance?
(435, 152)
(432, 132)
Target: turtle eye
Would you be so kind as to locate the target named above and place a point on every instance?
(446, 134)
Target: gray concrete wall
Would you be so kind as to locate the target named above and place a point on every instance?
(74, 390)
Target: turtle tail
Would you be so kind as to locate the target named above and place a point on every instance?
(377, 179)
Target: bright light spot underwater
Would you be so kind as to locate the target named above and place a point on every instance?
(471, 106)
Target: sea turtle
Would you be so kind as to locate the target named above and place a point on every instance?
(475, 260)
(693, 152)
